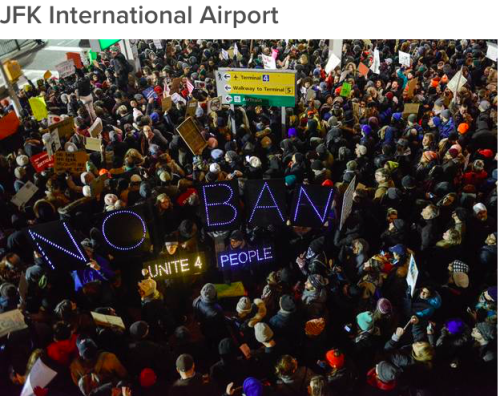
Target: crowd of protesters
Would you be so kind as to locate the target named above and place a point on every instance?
(334, 314)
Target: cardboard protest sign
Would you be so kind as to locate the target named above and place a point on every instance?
(178, 265)
(176, 98)
(214, 104)
(268, 61)
(39, 377)
(53, 119)
(411, 87)
(375, 67)
(191, 108)
(492, 52)
(38, 107)
(97, 185)
(265, 202)
(9, 124)
(176, 85)
(191, 135)
(76, 58)
(457, 82)
(96, 128)
(363, 69)
(235, 289)
(65, 128)
(66, 68)
(404, 59)
(93, 144)
(410, 108)
(347, 202)
(333, 62)
(412, 276)
(166, 103)
(108, 320)
(70, 162)
(47, 75)
(346, 90)
(52, 142)
(41, 162)
(11, 321)
(24, 194)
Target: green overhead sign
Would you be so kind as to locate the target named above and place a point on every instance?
(105, 44)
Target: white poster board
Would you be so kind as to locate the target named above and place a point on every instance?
(269, 62)
(40, 376)
(107, 320)
(333, 62)
(347, 202)
(24, 194)
(375, 67)
(96, 128)
(412, 276)
(66, 68)
(492, 52)
(404, 59)
(457, 82)
(11, 321)
(157, 43)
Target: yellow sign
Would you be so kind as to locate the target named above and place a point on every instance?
(71, 162)
(263, 83)
(39, 108)
(243, 86)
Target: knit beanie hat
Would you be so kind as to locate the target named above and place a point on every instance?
(147, 378)
(208, 293)
(335, 359)
(287, 304)
(226, 347)
(315, 327)
(22, 160)
(487, 330)
(148, 286)
(263, 332)
(244, 306)
(87, 349)
(110, 199)
(384, 306)
(253, 387)
(139, 329)
(365, 320)
(386, 372)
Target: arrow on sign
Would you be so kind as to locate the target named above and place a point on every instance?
(227, 76)
(228, 98)
(227, 87)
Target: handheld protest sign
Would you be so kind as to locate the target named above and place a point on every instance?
(9, 124)
(220, 202)
(245, 257)
(191, 108)
(311, 205)
(191, 135)
(70, 162)
(58, 244)
(65, 128)
(166, 103)
(42, 161)
(410, 108)
(347, 202)
(265, 202)
(178, 265)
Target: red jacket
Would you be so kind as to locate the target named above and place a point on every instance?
(64, 351)
(374, 381)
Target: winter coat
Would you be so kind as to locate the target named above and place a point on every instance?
(296, 384)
